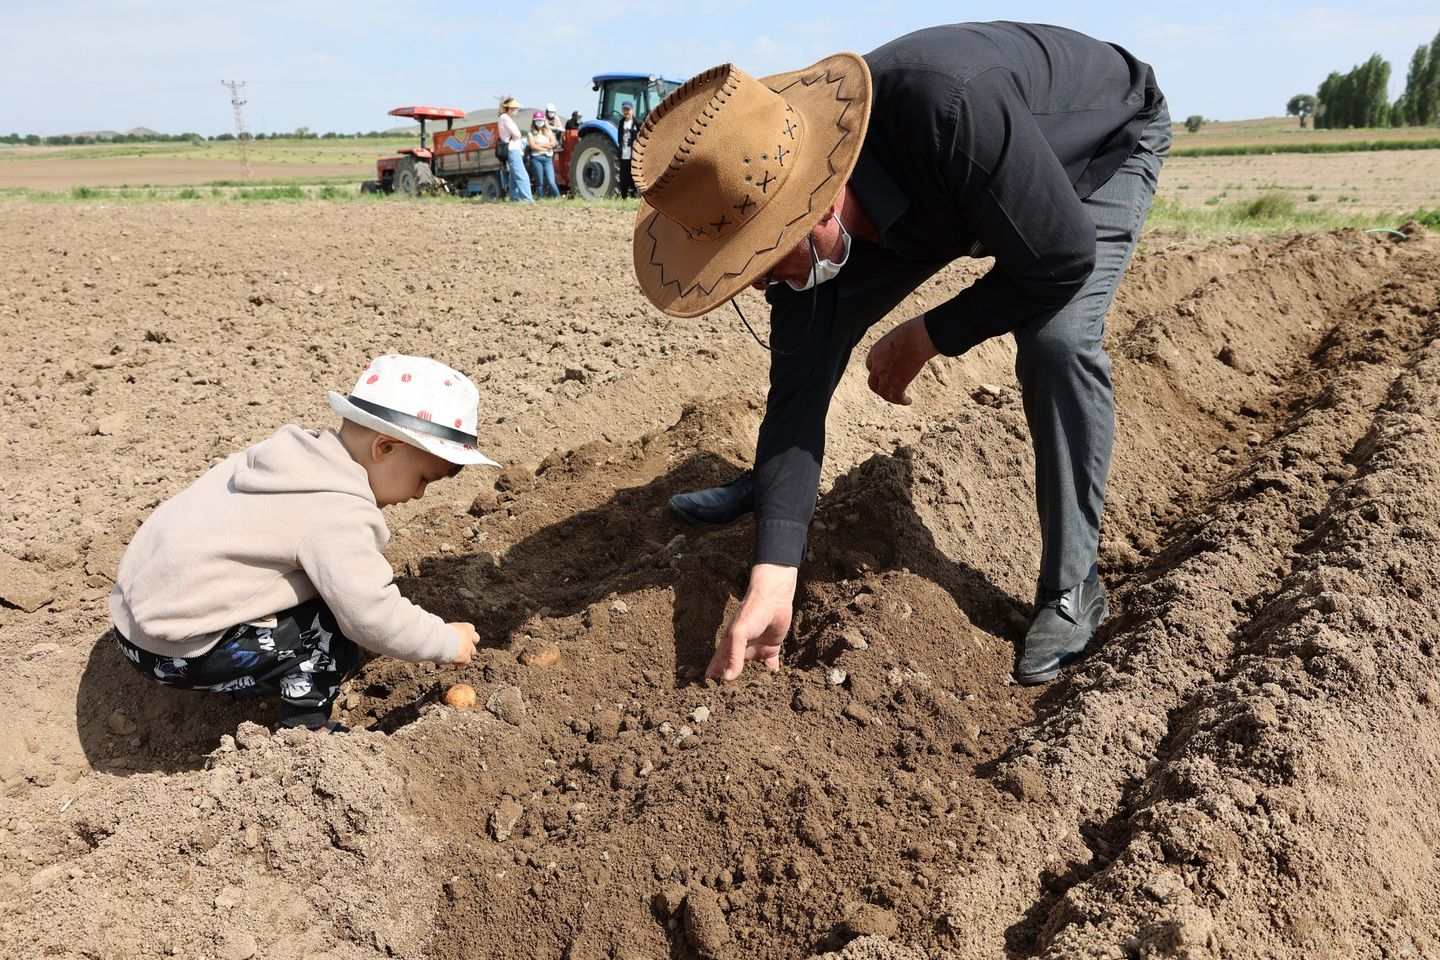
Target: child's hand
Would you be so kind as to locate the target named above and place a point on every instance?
(468, 641)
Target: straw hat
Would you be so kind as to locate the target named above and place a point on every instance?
(420, 401)
(733, 172)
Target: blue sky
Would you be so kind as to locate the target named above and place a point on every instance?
(67, 66)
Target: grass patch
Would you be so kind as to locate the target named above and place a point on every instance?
(1270, 213)
(291, 192)
(1267, 206)
(1337, 146)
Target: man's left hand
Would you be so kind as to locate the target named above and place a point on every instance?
(897, 358)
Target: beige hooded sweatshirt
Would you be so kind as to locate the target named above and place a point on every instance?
(266, 529)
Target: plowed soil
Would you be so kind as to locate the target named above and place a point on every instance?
(1245, 766)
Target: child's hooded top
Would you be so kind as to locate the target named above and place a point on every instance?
(268, 528)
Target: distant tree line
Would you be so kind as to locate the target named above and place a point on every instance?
(1360, 98)
(69, 139)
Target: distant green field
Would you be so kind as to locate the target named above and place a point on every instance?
(1195, 200)
(357, 151)
(1275, 131)
(1313, 146)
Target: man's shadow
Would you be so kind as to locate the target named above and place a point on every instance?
(632, 543)
(127, 724)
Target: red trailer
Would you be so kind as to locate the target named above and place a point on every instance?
(456, 160)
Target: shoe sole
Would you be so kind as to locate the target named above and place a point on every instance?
(1036, 679)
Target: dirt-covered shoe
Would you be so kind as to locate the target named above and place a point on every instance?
(717, 504)
(1065, 623)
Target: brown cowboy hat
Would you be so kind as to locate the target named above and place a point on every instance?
(733, 172)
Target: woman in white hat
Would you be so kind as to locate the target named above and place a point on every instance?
(514, 141)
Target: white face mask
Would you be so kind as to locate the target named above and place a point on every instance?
(826, 269)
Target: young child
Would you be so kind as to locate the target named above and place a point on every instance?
(263, 575)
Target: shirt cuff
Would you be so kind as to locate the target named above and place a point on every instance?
(780, 541)
(951, 339)
(450, 648)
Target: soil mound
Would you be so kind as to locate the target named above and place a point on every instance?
(1243, 766)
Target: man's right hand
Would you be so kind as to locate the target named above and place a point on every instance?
(760, 626)
(469, 639)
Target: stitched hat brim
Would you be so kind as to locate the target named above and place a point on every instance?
(444, 449)
(685, 277)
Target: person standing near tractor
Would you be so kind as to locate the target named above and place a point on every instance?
(627, 130)
(514, 141)
(552, 120)
(841, 188)
(542, 156)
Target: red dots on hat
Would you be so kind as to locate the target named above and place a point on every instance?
(447, 383)
(458, 421)
(404, 378)
(372, 378)
(423, 414)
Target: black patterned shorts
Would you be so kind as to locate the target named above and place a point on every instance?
(303, 657)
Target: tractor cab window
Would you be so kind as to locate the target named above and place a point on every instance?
(617, 92)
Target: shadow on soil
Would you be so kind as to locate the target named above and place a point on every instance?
(129, 725)
(557, 584)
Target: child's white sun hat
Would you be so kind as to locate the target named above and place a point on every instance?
(417, 400)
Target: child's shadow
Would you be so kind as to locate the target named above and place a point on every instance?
(129, 725)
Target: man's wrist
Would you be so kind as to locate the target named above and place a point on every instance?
(768, 577)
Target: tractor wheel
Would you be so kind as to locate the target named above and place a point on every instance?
(369, 186)
(490, 187)
(405, 182)
(426, 183)
(595, 169)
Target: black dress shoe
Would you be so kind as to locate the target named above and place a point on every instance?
(1065, 623)
(717, 504)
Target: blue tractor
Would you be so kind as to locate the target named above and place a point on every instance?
(595, 162)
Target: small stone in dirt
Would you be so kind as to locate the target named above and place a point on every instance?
(119, 724)
(508, 704)
(835, 676)
(40, 649)
(503, 819)
(237, 946)
(620, 606)
(869, 920)
(110, 424)
(542, 655)
(700, 715)
(853, 640)
(229, 897)
(858, 712)
(705, 924)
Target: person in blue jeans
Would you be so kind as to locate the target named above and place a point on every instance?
(839, 189)
(542, 156)
(510, 134)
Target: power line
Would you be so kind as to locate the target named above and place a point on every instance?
(241, 134)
